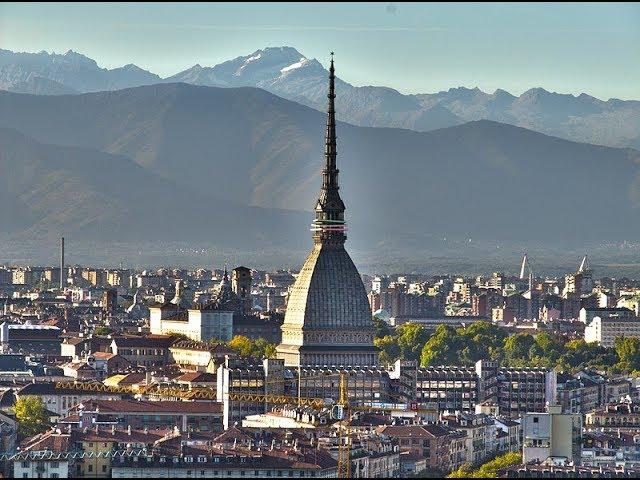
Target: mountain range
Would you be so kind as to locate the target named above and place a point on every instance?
(237, 167)
(287, 73)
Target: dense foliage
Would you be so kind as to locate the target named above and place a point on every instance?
(247, 347)
(483, 340)
(31, 415)
(489, 469)
(103, 331)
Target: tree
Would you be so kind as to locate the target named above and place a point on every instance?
(103, 331)
(465, 471)
(483, 340)
(382, 328)
(442, 347)
(517, 347)
(261, 348)
(489, 469)
(389, 349)
(246, 347)
(628, 350)
(411, 338)
(31, 415)
(242, 345)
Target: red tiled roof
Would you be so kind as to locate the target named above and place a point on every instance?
(197, 377)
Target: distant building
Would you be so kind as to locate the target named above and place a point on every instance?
(196, 416)
(443, 448)
(605, 330)
(30, 339)
(241, 282)
(551, 435)
(199, 356)
(145, 351)
(513, 391)
(61, 400)
(619, 416)
(211, 321)
(588, 314)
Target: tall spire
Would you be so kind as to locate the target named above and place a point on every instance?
(584, 265)
(330, 150)
(523, 267)
(329, 225)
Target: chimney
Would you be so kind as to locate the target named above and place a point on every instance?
(128, 429)
(62, 281)
(113, 429)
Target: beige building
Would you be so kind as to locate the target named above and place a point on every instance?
(199, 324)
(551, 434)
(199, 356)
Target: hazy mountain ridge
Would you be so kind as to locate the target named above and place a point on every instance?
(72, 70)
(405, 191)
(49, 190)
(289, 74)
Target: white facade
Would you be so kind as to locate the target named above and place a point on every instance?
(604, 331)
(199, 325)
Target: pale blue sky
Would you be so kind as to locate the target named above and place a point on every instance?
(568, 48)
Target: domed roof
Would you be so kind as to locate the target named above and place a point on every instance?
(382, 314)
(328, 293)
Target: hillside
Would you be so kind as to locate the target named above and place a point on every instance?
(49, 190)
(290, 74)
(404, 190)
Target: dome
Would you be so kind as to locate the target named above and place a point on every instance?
(328, 294)
(382, 314)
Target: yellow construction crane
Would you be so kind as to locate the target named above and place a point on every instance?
(340, 410)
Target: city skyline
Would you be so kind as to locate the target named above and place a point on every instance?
(468, 305)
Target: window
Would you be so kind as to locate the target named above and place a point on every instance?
(91, 468)
(25, 464)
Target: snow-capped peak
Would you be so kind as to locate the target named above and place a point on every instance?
(252, 58)
(300, 63)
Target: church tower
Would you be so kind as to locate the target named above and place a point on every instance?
(328, 318)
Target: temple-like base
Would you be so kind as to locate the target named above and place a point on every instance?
(355, 356)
